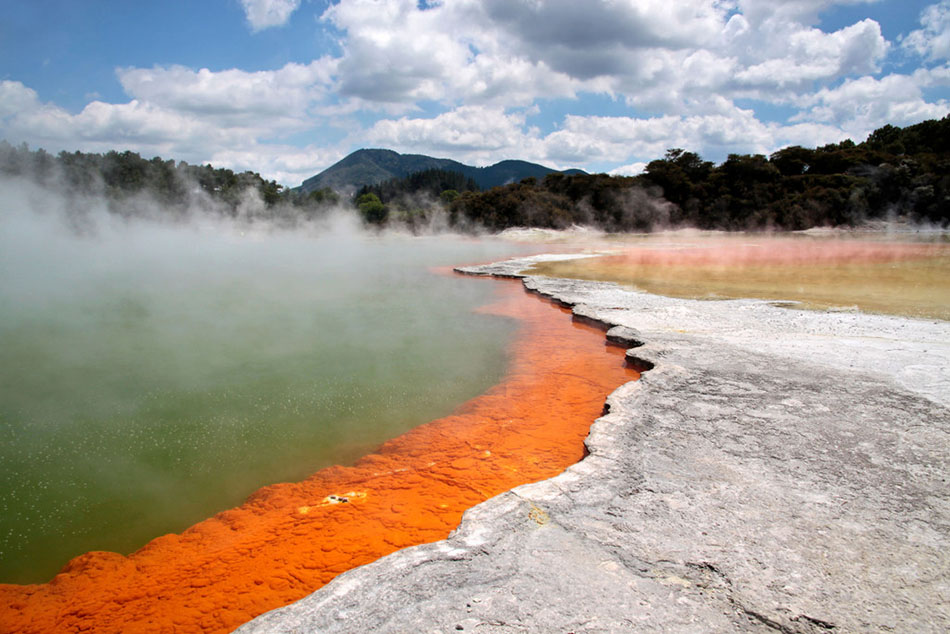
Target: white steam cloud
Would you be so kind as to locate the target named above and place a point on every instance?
(264, 14)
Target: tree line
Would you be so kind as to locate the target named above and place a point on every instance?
(130, 185)
(903, 172)
(412, 201)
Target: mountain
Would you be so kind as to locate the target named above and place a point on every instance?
(512, 172)
(369, 167)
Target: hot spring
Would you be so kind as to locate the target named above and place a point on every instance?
(152, 375)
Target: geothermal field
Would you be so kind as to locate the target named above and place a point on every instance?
(232, 416)
(484, 316)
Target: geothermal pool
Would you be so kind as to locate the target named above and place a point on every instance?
(153, 375)
(287, 540)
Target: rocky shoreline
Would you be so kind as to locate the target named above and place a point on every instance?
(773, 470)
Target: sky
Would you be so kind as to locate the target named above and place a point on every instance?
(288, 87)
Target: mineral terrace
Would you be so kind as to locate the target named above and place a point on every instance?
(773, 470)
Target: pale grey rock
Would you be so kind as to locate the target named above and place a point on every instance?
(514, 268)
(774, 470)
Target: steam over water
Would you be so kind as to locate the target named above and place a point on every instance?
(152, 375)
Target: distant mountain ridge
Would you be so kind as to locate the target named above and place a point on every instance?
(372, 166)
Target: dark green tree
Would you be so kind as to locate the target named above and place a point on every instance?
(372, 209)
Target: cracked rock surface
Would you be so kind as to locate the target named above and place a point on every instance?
(774, 470)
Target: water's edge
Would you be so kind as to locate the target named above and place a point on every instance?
(765, 474)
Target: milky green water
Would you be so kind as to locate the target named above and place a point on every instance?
(151, 376)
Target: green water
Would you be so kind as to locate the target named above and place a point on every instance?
(151, 376)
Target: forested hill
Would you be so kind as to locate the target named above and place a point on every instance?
(895, 171)
(370, 167)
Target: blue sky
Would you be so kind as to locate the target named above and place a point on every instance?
(288, 87)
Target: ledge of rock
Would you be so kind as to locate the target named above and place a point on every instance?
(774, 470)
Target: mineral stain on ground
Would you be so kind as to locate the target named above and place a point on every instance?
(289, 539)
(878, 274)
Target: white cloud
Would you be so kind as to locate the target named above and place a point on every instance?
(101, 126)
(15, 98)
(263, 14)
(617, 139)
(396, 54)
(660, 56)
(804, 12)
(591, 39)
(932, 42)
(483, 135)
(629, 170)
(393, 52)
(512, 53)
(621, 139)
(156, 129)
(811, 54)
(282, 96)
(509, 81)
(474, 133)
(864, 104)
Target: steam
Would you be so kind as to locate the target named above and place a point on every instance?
(422, 214)
(158, 367)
